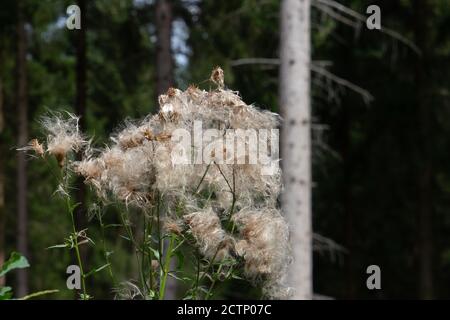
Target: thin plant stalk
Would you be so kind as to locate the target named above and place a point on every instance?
(76, 246)
(105, 252)
(136, 249)
(166, 267)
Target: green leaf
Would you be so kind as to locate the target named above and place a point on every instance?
(180, 258)
(74, 206)
(203, 289)
(38, 294)
(85, 297)
(96, 270)
(173, 275)
(113, 225)
(125, 237)
(15, 261)
(5, 293)
(151, 294)
(155, 253)
(58, 246)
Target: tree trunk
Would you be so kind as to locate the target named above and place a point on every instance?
(80, 106)
(80, 110)
(2, 183)
(423, 35)
(22, 110)
(348, 205)
(296, 139)
(164, 79)
(164, 61)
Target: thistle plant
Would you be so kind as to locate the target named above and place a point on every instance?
(207, 194)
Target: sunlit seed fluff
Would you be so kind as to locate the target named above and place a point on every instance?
(264, 244)
(63, 135)
(89, 168)
(174, 226)
(207, 230)
(127, 290)
(138, 163)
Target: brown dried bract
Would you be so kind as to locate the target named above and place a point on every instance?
(148, 134)
(217, 77)
(171, 92)
(36, 147)
(163, 136)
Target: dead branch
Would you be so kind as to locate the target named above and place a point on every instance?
(359, 18)
(367, 97)
(317, 67)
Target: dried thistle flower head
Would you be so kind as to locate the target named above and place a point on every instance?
(63, 135)
(35, 146)
(138, 163)
(91, 169)
(207, 230)
(127, 290)
(173, 226)
(217, 77)
(264, 244)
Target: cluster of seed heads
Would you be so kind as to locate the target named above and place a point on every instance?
(136, 168)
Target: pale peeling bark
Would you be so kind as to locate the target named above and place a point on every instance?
(296, 140)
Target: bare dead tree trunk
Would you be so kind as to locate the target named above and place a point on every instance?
(2, 182)
(164, 60)
(164, 78)
(22, 183)
(423, 13)
(296, 139)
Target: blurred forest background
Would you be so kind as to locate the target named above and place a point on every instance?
(381, 173)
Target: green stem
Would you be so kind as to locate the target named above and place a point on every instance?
(197, 278)
(166, 267)
(142, 266)
(209, 294)
(149, 253)
(38, 294)
(203, 177)
(136, 249)
(230, 273)
(77, 250)
(105, 252)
